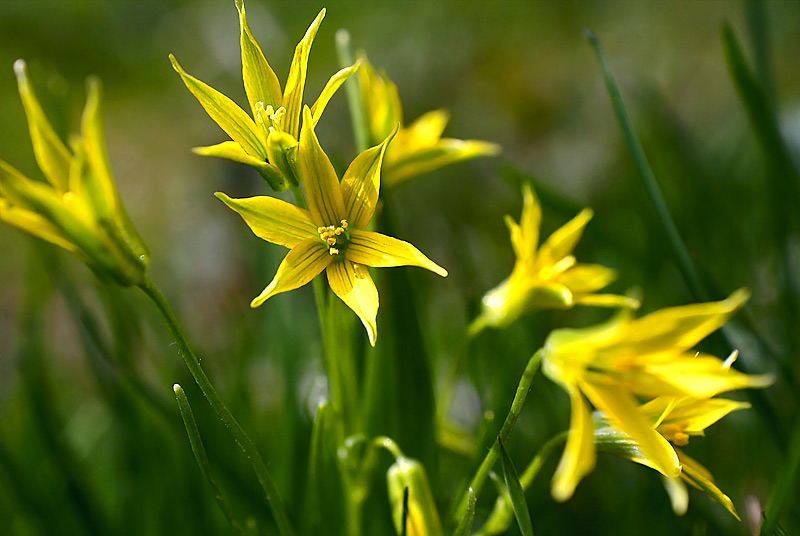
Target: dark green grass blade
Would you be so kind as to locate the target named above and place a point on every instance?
(515, 492)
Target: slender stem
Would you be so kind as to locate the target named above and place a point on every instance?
(516, 406)
(219, 407)
(353, 89)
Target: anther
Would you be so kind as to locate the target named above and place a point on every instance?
(333, 251)
(331, 241)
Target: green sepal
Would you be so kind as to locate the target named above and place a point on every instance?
(282, 153)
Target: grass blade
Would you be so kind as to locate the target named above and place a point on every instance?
(515, 493)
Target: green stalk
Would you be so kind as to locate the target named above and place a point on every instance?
(219, 407)
(357, 114)
(516, 406)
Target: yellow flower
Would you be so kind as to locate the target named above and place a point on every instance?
(616, 363)
(267, 139)
(418, 148)
(547, 276)
(79, 210)
(676, 420)
(331, 234)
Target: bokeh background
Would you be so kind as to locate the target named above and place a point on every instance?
(80, 454)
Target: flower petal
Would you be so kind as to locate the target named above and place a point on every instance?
(561, 243)
(683, 327)
(587, 277)
(695, 416)
(622, 411)
(304, 262)
(233, 151)
(260, 82)
(381, 251)
(273, 220)
(607, 300)
(226, 113)
(35, 224)
(51, 154)
(525, 235)
(361, 184)
(295, 84)
(320, 183)
(445, 152)
(330, 89)
(579, 454)
(353, 284)
(700, 477)
(381, 101)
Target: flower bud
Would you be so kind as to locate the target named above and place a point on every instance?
(422, 518)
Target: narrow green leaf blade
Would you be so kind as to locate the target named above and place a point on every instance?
(515, 492)
(465, 524)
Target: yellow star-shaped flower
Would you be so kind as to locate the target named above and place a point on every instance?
(548, 276)
(266, 140)
(331, 235)
(617, 363)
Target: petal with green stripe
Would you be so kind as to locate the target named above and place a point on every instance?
(273, 220)
(381, 251)
(301, 265)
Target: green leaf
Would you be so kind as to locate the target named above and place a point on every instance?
(465, 524)
(515, 492)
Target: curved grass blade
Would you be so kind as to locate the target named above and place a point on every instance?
(515, 493)
(465, 524)
(199, 451)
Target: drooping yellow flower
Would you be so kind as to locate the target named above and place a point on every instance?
(331, 234)
(267, 139)
(547, 276)
(78, 208)
(418, 147)
(676, 420)
(615, 364)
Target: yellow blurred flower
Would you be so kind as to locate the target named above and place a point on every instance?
(547, 276)
(418, 147)
(331, 234)
(676, 420)
(78, 208)
(267, 139)
(615, 364)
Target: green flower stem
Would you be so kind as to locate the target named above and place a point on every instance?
(219, 407)
(199, 451)
(516, 406)
(357, 114)
(339, 366)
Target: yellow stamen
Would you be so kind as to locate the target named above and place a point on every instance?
(333, 251)
(331, 241)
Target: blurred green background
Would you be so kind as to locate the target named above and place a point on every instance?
(84, 451)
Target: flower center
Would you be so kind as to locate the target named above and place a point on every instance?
(336, 238)
(268, 117)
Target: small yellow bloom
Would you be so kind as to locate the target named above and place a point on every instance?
(419, 147)
(331, 235)
(618, 363)
(547, 276)
(79, 209)
(267, 139)
(676, 420)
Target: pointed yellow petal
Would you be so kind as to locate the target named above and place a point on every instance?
(683, 327)
(678, 494)
(320, 183)
(579, 454)
(702, 376)
(353, 284)
(295, 84)
(423, 133)
(273, 220)
(233, 151)
(381, 101)
(423, 160)
(699, 477)
(330, 89)
(226, 113)
(622, 411)
(260, 82)
(607, 300)
(51, 154)
(34, 224)
(301, 265)
(361, 184)
(561, 243)
(587, 277)
(526, 238)
(695, 416)
(381, 251)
